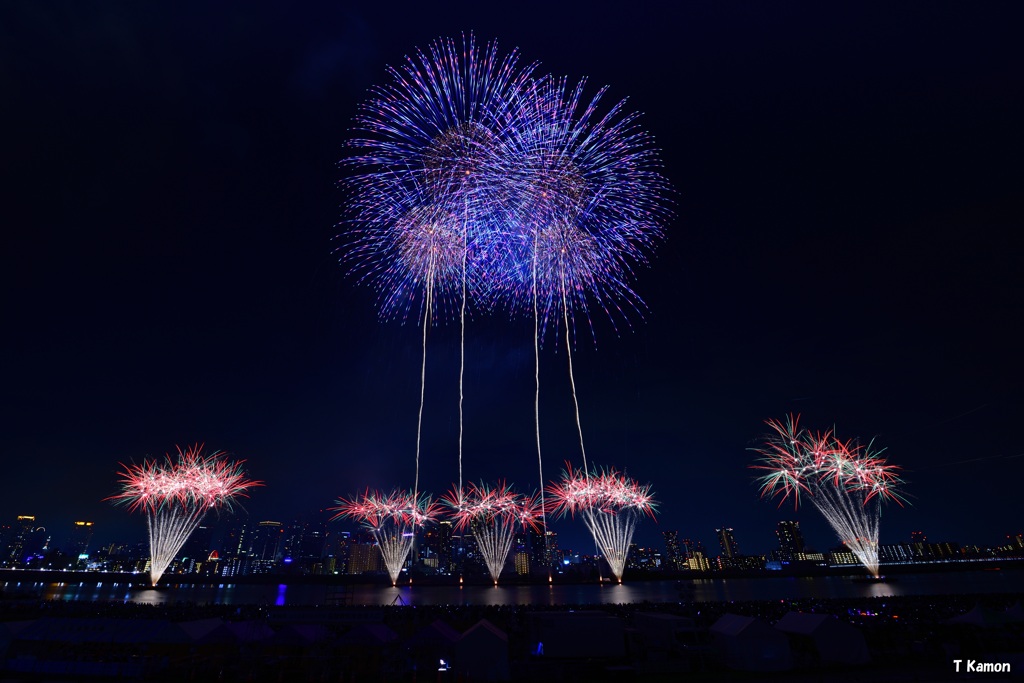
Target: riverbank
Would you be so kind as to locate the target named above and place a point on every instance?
(907, 638)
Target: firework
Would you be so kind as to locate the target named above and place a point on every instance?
(610, 504)
(427, 179)
(176, 494)
(429, 175)
(844, 480)
(493, 515)
(393, 519)
(589, 207)
(472, 181)
(589, 203)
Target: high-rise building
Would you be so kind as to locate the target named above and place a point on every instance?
(197, 547)
(675, 557)
(304, 546)
(266, 547)
(27, 539)
(553, 555)
(644, 559)
(791, 539)
(521, 554)
(698, 562)
(81, 536)
(690, 546)
(363, 558)
(427, 549)
(537, 549)
(543, 550)
(445, 549)
(728, 542)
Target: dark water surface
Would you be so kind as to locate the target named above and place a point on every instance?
(703, 590)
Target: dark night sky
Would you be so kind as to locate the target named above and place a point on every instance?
(846, 246)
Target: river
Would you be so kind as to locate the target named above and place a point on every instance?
(699, 590)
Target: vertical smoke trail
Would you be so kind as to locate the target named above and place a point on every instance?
(462, 338)
(536, 406)
(423, 372)
(572, 378)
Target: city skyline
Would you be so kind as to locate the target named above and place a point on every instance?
(222, 536)
(842, 248)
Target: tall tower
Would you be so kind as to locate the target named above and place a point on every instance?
(445, 547)
(26, 539)
(674, 556)
(266, 546)
(81, 536)
(791, 540)
(728, 542)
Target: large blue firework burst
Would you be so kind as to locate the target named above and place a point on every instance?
(473, 181)
(427, 174)
(590, 203)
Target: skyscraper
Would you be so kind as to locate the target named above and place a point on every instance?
(521, 554)
(266, 546)
(791, 540)
(674, 555)
(445, 549)
(26, 539)
(364, 558)
(81, 536)
(543, 550)
(728, 542)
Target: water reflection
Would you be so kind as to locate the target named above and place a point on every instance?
(698, 590)
(282, 589)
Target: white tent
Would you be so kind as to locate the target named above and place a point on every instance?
(750, 644)
(482, 653)
(834, 641)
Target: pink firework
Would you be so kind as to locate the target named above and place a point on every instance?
(610, 504)
(493, 515)
(176, 493)
(608, 491)
(843, 479)
(392, 518)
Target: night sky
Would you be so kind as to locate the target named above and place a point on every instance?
(845, 246)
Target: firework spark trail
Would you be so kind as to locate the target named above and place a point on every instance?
(493, 515)
(177, 494)
(612, 532)
(392, 518)
(846, 482)
(423, 390)
(610, 504)
(536, 411)
(855, 520)
(474, 182)
(593, 206)
(169, 528)
(572, 385)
